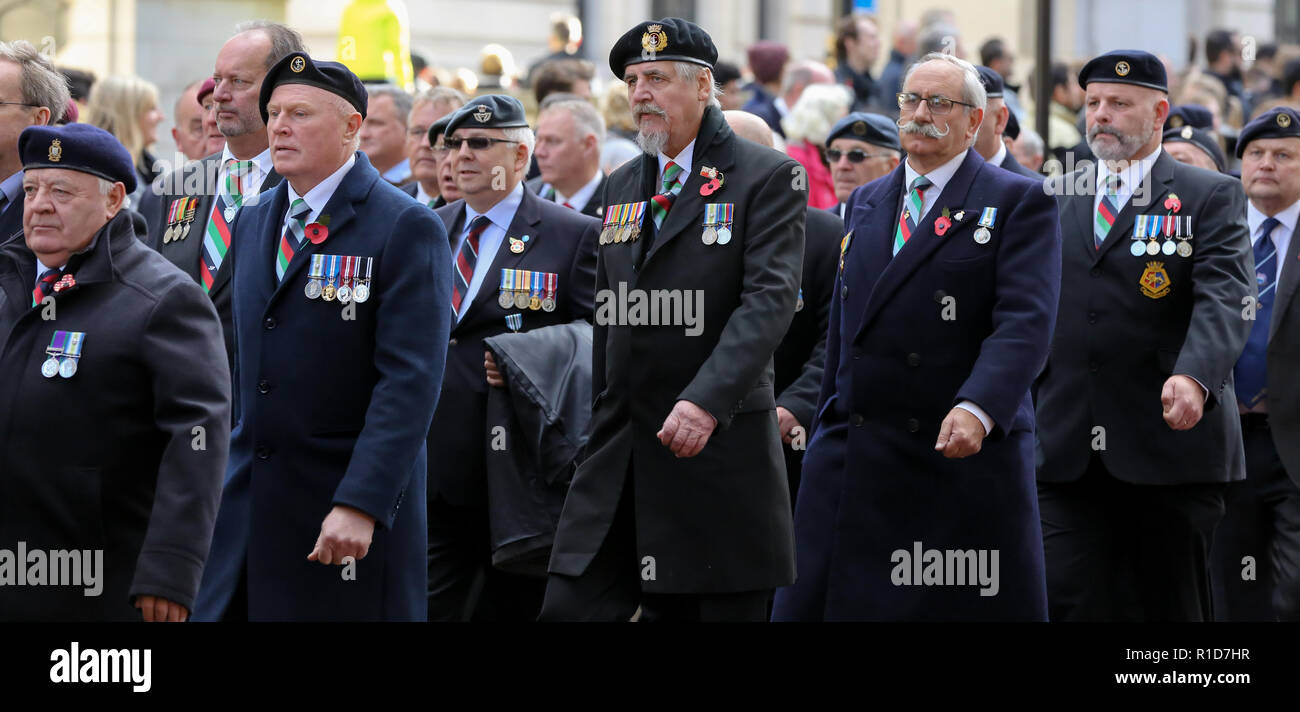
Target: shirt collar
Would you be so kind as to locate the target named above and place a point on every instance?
(1288, 217)
(1001, 155)
(683, 161)
(1132, 175)
(12, 187)
(317, 198)
(583, 195)
(938, 177)
(399, 172)
(503, 212)
(422, 196)
(261, 162)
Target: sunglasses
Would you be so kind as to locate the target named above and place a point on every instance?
(476, 143)
(857, 155)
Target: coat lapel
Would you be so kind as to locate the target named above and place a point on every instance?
(1155, 185)
(1287, 285)
(526, 221)
(712, 149)
(924, 241)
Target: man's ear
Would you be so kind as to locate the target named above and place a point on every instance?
(42, 116)
(114, 200)
(1004, 115)
(521, 159)
(353, 127)
(1162, 111)
(976, 118)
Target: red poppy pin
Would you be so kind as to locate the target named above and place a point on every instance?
(65, 282)
(715, 180)
(942, 223)
(1172, 203)
(317, 233)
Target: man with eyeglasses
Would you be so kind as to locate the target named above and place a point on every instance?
(192, 210)
(32, 93)
(988, 142)
(861, 147)
(922, 449)
(520, 263)
(424, 156)
(1138, 431)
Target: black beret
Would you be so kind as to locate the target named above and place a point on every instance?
(1126, 66)
(490, 111)
(1200, 138)
(1198, 117)
(298, 68)
(77, 147)
(671, 39)
(438, 128)
(1012, 131)
(991, 80)
(868, 128)
(1278, 122)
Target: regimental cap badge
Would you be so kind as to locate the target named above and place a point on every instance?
(1283, 120)
(1176, 122)
(483, 114)
(56, 151)
(654, 39)
(1122, 69)
(860, 128)
(298, 64)
(1187, 132)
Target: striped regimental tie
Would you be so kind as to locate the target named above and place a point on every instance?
(911, 214)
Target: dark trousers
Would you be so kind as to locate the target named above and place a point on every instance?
(1117, 551)
(610, 588)
(463, 585)
(1262, 522)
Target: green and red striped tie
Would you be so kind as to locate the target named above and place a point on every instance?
(216, 239)
(295, 229)
(911, 214)
(1107, 211)
(663, 202)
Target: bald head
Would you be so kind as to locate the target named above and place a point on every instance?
(749, 127)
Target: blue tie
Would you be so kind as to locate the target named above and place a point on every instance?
(1251, 372)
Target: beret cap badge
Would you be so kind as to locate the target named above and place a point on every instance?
(1122, 69)
(56, 151)
(482, 114)
(654, 39)
(298, 64)
(1283, 120)
(1187, 132)
(860, 128)
(1176, 122)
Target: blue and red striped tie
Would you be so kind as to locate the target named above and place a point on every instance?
(45, 286)
(466, 261)
(1107, 211)
(911, 214)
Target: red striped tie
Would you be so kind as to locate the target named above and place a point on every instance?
(45, 286)
(466, 260)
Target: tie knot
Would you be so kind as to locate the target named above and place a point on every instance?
(479, 224)
(921, 183)
(1266, 227)
(299, 208)
(671, 172)
(50, 275)
(1112, 184)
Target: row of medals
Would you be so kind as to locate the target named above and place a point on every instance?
(1183, 246)
(357, 291)
(52, 366)
(181, 228)
(720, 235)
(620, 233)
(524, 299)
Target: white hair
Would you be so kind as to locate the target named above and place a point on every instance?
(105, 185)
(972, 89)
(586, 120)
(690, 72)
(812, 117)
(523, 135)
(1033, 142)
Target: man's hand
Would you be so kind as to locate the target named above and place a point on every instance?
(786, 423)
(1184, 402)
(494, 378)
(961, 435)
(345, 532)
(687, 429)
(160, 610)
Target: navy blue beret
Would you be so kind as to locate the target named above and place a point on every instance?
(1200, 138)
(1198, 117)
(1126, 66)
(671, 39)
(491, 111)
(438, 128)
(1012, 131)
(77, 147)
(869, 128)
(991, 80)
(298, 68)
(1279, 122)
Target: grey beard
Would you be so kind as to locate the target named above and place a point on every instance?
(652, 144)
(1128, 145)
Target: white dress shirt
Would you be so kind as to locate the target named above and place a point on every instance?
(317, 198)
(1281, 234)
(501, 215)
(423, 197)
(683, 160)
(258, 170)
(1000, 156)
(578, 200)
(1130, 178)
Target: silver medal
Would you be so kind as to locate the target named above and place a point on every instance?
(1138, 249)
(505, 299)
(361, 293)
(709, 236)
(313, 289)
(50, 368)
(1168, 247)
(344, 294)
(982, 236)
(724, 235)
(1153, 248)
(68, 368)
(1184, 249)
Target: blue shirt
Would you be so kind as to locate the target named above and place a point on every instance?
(12, 187)
(399, 173)
(501, 215)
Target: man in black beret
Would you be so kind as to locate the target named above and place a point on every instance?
(861, 147)
(1195, 147)
(192, 210)
(1137, 427)
(340, 292)
(1262, 517)
(1198, 117)
(116, 395)
(682, 505)
(521, 262)
(988, 142)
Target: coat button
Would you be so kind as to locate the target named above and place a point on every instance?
(263, 386)
(269, 323)
(844, 291)
(857, 420)
(1092, 317)
(856, 352)
(452, 342)
(263, 452)
(914, 360)
(1095, 272)
(940, 295)
(913, 425)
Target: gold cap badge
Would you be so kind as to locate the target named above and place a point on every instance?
(298, 64)
(654, 39)
(1122, 69)
(1176, 122)
(860, 128)
(56, 151)
(1283, 120)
